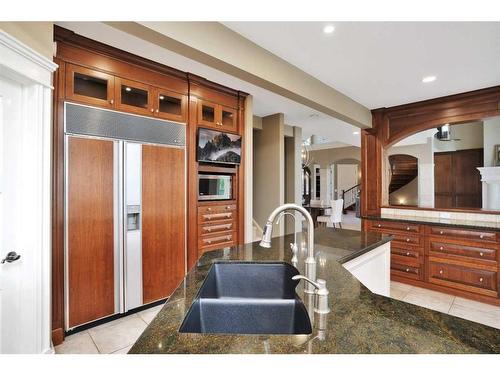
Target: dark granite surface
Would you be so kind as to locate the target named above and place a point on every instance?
(359, 322)
(481, 225)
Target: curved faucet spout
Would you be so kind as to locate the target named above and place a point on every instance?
(310, 262)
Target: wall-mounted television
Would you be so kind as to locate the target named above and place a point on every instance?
(215, 146)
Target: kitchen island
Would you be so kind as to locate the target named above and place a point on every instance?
(360, 321)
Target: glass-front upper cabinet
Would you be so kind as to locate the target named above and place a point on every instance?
(133, 97)
(170, 105)
(228, 118)
(217, 116)
(89, 86)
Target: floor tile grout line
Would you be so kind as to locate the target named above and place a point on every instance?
(93, 342)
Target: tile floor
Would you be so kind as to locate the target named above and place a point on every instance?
(117, 337)
(464, 308)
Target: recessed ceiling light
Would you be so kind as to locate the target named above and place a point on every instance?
(355, 133)
(328, 29)
(128, 89)
(428, 79)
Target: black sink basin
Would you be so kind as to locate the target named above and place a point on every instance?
(248, 298)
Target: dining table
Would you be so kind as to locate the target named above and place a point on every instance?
(316, 210)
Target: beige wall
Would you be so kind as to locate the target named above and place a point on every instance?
(331, 155)
(268, 168)
(37, 35)
(293, 175)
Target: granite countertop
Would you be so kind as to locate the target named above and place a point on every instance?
(482, 225)
(359, 322)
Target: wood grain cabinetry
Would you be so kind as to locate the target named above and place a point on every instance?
(460, 261)
(91, 245)
(163, 221)
(217, 226)
(217, 116)
(96, 88)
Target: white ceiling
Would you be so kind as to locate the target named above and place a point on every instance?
(381, 64)
(264, 102)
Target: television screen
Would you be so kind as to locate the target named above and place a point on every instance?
(218, 147)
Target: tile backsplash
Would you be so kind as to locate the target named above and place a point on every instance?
(469, 216)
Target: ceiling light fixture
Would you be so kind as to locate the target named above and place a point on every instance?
(428, 79)
(328, 29)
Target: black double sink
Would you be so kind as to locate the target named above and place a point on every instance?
(248, 298)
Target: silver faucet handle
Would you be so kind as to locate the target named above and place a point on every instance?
(315, 284)
(321, 302)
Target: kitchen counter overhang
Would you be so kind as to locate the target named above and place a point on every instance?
(359, 322)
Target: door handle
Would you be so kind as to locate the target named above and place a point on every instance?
(11, 257)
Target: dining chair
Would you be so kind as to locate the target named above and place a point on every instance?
(336, 215)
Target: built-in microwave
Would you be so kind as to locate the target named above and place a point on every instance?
(213, 187)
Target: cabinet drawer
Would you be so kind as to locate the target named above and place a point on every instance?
(467, 234)
(393, 225)
(466, 278)
(215, 217)
(405, 270)
(210, 229)
(217, 241)
(412, 255)
(402, 239)
(216, 209)
(440, 248)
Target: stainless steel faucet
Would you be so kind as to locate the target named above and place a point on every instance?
(310, 262)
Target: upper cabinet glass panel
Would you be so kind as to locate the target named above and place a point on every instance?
(208, 113)
(228, 119)
(89, 86)
(134, 96)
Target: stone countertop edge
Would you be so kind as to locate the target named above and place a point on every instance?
(481, 225)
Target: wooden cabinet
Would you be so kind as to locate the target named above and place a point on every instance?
(460, 261)
(217, 116)
(217, 226)
(90, 241)
(100, 89)
(89, 86)
(163, 220)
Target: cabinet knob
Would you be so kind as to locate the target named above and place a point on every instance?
(228, 238)
(441, 248)
(407, 240)
(407, 228)
(228, 207)
(379, 225)
(407, 270)
(209, 242)
(228, 226)
(209, 209)
(440, 232)
(481, 235)
(440, 272)
(157, 110)
(209, 230)
(407, 253)
(481, 254)
(480, 279)
(152, 110)
(111, 101)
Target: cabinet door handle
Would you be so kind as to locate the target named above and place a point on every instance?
(228, 207)
(152, 110)
(481, 236)
(440, 272)
(407, 270)
(481, 254)
(441, 248)
(157, 110)
(111, 101)
(209, 229)
(379, 225)
(407, 253)
(407, 240)
(209, 209)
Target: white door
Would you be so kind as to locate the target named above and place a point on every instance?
(20, 232)
(13, 290)
(347, 177)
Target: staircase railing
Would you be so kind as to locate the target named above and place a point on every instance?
(349, 196)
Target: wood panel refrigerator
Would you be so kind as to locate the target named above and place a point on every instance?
(125, 211)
